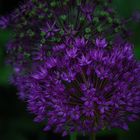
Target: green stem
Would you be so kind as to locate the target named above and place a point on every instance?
(73, 136)
(93, 136)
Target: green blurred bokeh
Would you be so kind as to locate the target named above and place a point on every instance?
(125, 9)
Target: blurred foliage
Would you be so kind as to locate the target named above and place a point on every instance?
(4, 69)
(125, 9)
(16, 123)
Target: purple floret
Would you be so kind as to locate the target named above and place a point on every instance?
(4, 22)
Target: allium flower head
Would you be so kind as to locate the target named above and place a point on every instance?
(71, 68)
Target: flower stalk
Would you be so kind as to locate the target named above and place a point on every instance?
(93, 136)
(73, 136)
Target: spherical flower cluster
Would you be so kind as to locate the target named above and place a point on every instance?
(73, 65)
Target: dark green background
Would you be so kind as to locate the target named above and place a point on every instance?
(16, 123)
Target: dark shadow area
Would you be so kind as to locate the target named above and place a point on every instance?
(109, 137)
(7, 6)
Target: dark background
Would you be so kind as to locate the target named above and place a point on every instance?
(16, 123)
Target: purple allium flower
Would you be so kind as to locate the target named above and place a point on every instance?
(80, 42)
(84, 60)
(88, 10)
(39, 54)
(50, 30)
(59, 47)
(4, 22)
(68, 69)
(40, 73)
(51, 62)
(72, 52)
(101, 43)
(69, 76)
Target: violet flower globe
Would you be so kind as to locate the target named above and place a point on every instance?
(73, 65)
